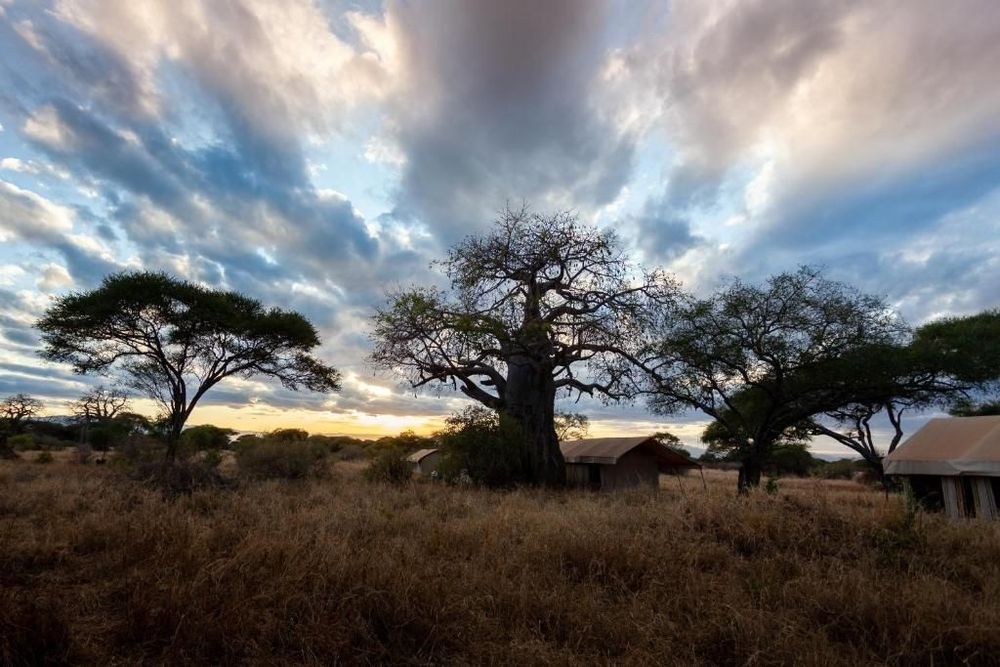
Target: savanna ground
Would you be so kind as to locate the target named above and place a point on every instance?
(97, 569)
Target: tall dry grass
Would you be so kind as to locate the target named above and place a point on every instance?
(98, 570)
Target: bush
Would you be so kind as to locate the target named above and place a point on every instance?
(204, 438)
(351, 453)
(389, 467)
(21, 443)
(179, 478)
(481, 444)
(44, 457)
(271, 459)
(139, 451)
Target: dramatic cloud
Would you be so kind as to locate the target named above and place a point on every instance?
(316, 154)
(498, 102)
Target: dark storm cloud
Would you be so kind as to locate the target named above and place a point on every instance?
(500, 105)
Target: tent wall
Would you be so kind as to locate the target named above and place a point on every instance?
(428, 464)
(636, 468)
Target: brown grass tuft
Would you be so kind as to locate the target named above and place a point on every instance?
(96, 569)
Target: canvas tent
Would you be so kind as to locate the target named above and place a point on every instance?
(424, 461)
(953, 463)
(618, 463)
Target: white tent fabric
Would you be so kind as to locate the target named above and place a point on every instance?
(950, 446)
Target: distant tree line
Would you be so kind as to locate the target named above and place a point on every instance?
(541, 307)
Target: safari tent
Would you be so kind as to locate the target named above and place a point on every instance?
(610, 464)
(953, 464)
(425, 461)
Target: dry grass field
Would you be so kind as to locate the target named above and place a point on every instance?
(96, 569)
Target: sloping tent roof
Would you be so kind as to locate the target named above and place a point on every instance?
(607, 451)
(950, 446)
(420, 455)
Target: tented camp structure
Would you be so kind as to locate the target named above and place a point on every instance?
(425, 461)
(953, 464)
(611, 464)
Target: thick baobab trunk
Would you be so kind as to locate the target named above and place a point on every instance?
(530, 404)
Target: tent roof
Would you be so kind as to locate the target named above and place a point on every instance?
(420, 455)
(950, 446)
(607, 451)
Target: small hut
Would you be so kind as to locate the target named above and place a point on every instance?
(952, 464)
(425, 461)
(609, 464)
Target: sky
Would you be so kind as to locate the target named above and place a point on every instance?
(316, 155)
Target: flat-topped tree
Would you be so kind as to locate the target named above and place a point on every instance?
(538, 306)
(174, 340)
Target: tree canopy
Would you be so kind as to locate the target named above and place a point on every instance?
(538, 306)
(760, 359)
(173, 340)
(15, 410)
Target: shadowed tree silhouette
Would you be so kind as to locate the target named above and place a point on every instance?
(173, 341)
(540, 305)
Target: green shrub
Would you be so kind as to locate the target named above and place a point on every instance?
(351, 453)
(482, 445)
(44, 457)
(271, 459)
(204, 438)
(389, 467)
(21, 443)
(138, 451)
(288, 435)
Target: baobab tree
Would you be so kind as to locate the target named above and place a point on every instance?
(541, 305)
(15, 410)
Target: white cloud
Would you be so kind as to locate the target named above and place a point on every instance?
(54, 276)
(32, 167)
(27, 215)
(45, 126)
(279, 62)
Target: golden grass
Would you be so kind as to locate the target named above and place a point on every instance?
(98, 570)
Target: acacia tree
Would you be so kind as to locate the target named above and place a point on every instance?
(174, 340)
(540, 305)
(760, 359)
(945, 363)
(15, 410)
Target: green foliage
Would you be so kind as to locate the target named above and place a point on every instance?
(484, 445)
(967, 408)
(967, 347)
(139, 452)
(44, 457)
(21, 443)
(205, 438)
(671, 441)
(407, 441)
(841, 469)
(272, 459)
(288, 435)
(389, 466)
(174, 340)
(771, 488)
(790, 459)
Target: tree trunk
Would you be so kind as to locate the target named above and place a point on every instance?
(749, 476)
(530, 403)
(751, 468)
(173, 439)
